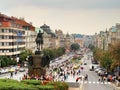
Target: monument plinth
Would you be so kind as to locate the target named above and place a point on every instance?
(35, 67)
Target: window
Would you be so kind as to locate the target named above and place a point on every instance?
(2, 37)
(2, 43)
(0, 24)
(2, 30)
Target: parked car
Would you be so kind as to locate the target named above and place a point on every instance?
(93, 67)
(97, 69)
(2, 71)
(21, 70)
(101, 72)
(95, 62)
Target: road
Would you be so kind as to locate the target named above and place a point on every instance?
(93, 83)
(17, 76)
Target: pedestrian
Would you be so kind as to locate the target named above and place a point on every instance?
(15, 72)
(11, 74)
(77, 79)
(86, 77)
(79, 71)
(99, 79)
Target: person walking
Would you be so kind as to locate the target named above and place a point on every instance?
(86, 77)
(11, 74)
(99, 79)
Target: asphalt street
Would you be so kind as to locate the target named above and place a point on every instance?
(93, 83)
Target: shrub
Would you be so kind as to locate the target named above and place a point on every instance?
(59, 85)
(33, 82)
(9, 84)
(15, 86)
(8, 80)
(45, 87)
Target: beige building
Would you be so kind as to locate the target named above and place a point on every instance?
(30, 37)
(13, 35)
(105, 39)
(49, 37)
(60, 41)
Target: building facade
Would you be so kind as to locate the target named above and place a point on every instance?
(12, 35)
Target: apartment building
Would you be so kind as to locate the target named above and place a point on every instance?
(13, 35)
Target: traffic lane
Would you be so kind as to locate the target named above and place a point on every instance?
(96, 86)
(7, 75)
(92, 76)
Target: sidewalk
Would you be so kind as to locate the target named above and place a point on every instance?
(116, 87)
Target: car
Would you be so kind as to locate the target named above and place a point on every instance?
(2, 71)
(94, 62)
(21, 70)
(101, 72)
(93, 67)
(97, 69)
(76, 66)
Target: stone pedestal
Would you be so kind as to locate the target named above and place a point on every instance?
(35, 67)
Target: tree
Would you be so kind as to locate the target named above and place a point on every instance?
(23, 55)
(91, 47)
(97, 53)
(49, 52)
(6, 61)
(60, 51)
(75, 46)
(115, 53)
(106, 60)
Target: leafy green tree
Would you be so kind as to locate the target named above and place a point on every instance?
(23, 55)
(49, 52)
(6, 61)
(115, 53)
(106, 60)
(97, 53)
(91, 47)
(75, 47)
(60, 51)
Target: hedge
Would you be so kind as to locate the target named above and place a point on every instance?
(9, 84)
(32, 82)
(46, 87)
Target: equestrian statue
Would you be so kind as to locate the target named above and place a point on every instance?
(39, 40)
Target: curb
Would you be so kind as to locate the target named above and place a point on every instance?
(81, 86)
(115, 87)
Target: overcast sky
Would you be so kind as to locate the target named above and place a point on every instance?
(73, 16)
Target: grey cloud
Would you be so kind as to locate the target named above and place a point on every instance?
(63, 4)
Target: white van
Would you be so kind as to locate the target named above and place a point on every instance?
(93, 66)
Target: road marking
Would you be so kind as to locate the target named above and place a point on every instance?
(94, 82)
(98, 82)
(109, 82)
(85, 82)
(89, 81)
(105, 82)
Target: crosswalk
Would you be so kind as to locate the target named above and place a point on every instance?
(95, 82)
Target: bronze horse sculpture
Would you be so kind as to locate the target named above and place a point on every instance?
(39, 40)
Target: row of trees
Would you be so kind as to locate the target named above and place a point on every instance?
(53, 53)
(109, 59)
(6, 61)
